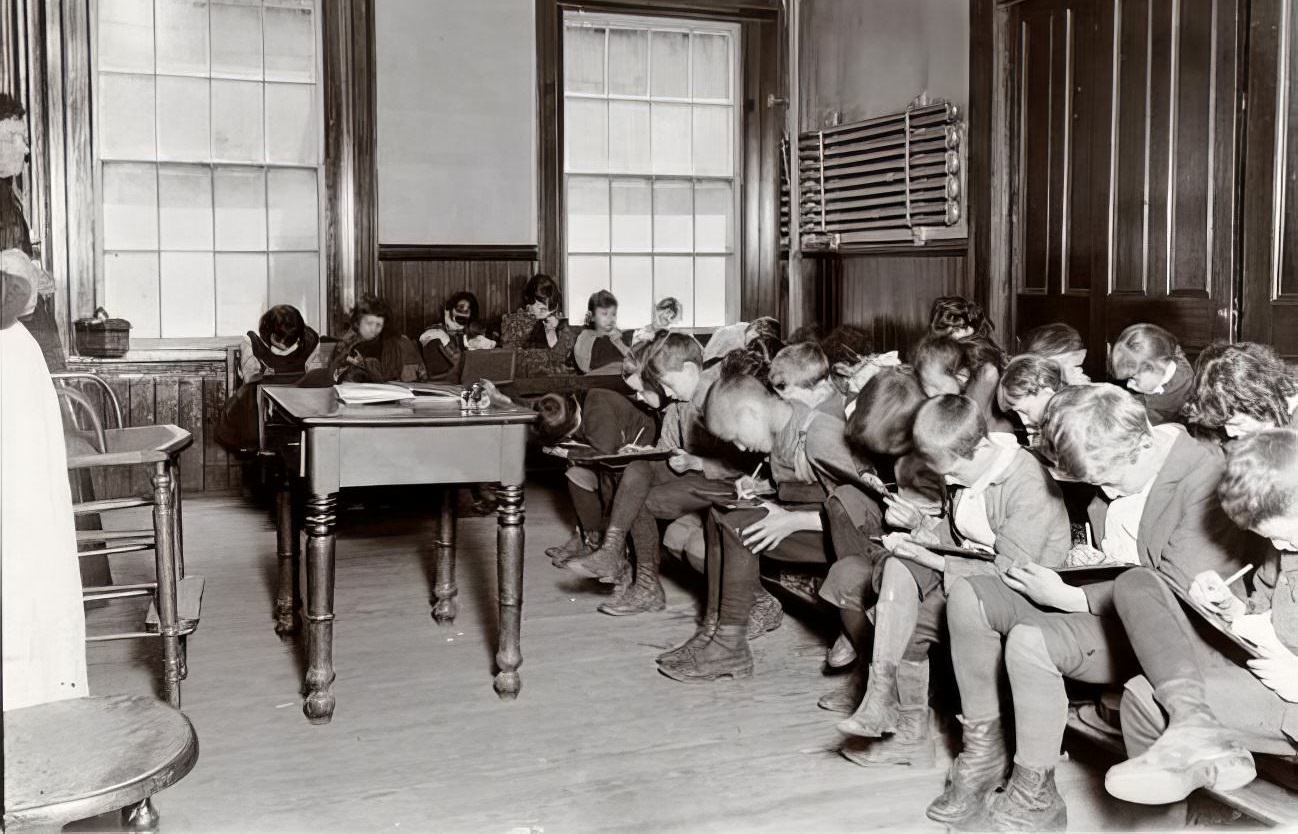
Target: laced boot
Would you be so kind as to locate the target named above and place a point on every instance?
(847, 695)
(877, 714)
(912, 743)
(702, 636)
(1195, 751)
(767, 614)
(978, 770)
(726, 655)
(1030, 802)
(579, 544)
(607, 564)
(643, 597)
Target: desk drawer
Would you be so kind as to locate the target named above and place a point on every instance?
(369, 456)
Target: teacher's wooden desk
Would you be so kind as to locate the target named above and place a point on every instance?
(326, 445)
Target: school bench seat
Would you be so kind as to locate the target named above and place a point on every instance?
(1263, 800)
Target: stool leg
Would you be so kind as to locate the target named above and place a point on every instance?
(141, 816)
(178, 529)
(165, 564)
(287, 553)
(446, 606)
(509, 572)
(320, 521)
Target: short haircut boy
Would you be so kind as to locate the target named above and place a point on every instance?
(951, 424)
(371, 305)
(746, 361)
(803, 365)
(942, 352)
(671, 351)
(283, 323)
(1143, 347)
(1261, 478)
(763, 326)
(541, 287)
(1052, 340)
(557, 417)
(885, 412)
(846, 343)
(953, 312)
(1026, 375)
(601, 300)
(1240, 379)
(731, 390)
(1086, 429)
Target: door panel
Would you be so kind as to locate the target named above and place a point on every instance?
(1125, 131)
(1270, 309)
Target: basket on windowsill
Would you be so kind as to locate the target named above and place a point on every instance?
(103, 336)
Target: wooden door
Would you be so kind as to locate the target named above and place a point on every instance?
(1055, 112)
(1270, 288)
(1125, 133)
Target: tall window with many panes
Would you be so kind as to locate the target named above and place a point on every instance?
(651, 119)
(207, 144)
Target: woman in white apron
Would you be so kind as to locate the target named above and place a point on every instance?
(44, 621)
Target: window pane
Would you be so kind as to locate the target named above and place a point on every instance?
(633, 284)
(587, 214)
(632, 216)
(710, 290)
(628, 62)
(182, 37)
(188, 295)
(585, 130)
(712, 140)
(241, 292)
(131, 290)
(185, 215)
(290, 44)
(294, 208)
(713, 207)
(236, 41)
(669, 62)
(583, 59)
(125, 35)
(237, 129)
(184, 108)
(586, 274)
(674, 276)
(673, 216)
(295, 279)
(126, 117)
(292, 126)
(240, 199)
(628, 136)
(130, 194)
(711, 66)
(671, 148)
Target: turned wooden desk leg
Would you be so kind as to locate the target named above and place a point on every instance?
(320, 519)
(288, 553)
(509, 573)
(445, 606)
(165, 564)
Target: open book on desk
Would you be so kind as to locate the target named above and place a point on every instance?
(372, 393)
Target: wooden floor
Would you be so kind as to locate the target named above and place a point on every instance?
(597, 741)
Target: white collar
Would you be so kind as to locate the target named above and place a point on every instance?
(279, 351)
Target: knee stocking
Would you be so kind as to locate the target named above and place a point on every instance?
(976, 654)
(1040, 702)
(637, 480)
(895, 613)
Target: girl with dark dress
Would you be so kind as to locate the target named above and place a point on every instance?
(542, 338)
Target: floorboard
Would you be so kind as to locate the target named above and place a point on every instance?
(597, 740)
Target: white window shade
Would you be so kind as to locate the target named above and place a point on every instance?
(456, 121)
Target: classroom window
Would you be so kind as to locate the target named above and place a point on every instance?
(208, 136)
(651, 122)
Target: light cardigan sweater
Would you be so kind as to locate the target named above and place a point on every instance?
(1026, 512)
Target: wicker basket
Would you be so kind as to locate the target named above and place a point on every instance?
(103, 336)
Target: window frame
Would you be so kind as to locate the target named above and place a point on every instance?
(96, 199)
(735, 252)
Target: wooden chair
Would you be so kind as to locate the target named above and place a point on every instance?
(176, 598)
(74, 759)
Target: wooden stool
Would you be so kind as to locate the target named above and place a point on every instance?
(69, 760)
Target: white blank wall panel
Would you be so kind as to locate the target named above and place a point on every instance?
(456, 121)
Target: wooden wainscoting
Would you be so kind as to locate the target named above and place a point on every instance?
(189, 394)
(416, 280)
(889, 295)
